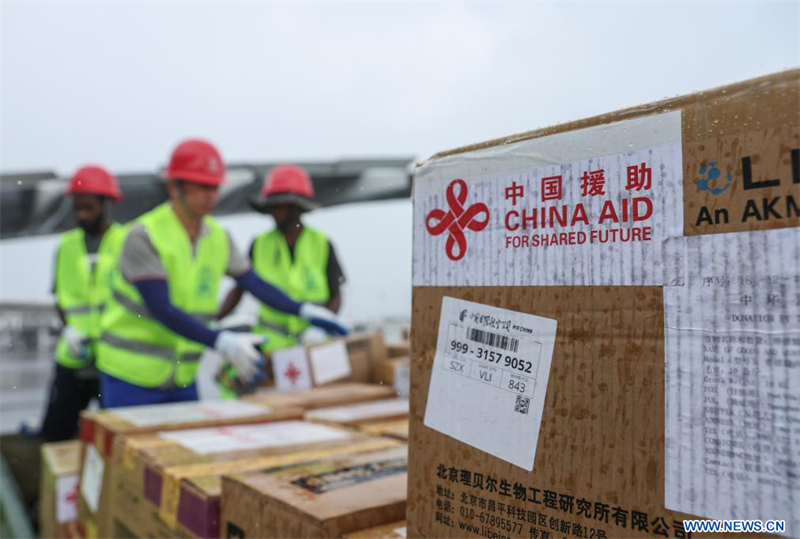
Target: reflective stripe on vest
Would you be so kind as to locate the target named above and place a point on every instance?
(283, 330)
(303, 277)
(83, 289)
(135, 346)
(143, 311)
(154, 350)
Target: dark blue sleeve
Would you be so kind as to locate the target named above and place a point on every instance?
(155, 294)
(267, 294)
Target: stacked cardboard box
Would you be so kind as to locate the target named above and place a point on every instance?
(322, 397)
(395, 370)
(169, 484)
(616, 305)
(395, 350)
(58, 494)
(394, 429)
(353, 415)
(355, 358)
(100, 430)
(387, 374)
(325, 499)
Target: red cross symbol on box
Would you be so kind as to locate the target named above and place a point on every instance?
(292, 373)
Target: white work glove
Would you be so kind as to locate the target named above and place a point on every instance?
(240, 350)
(76, 341)
(313, 335)
(322, 318)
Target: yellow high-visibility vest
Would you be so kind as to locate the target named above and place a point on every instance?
(134, 346)
(302, 277)
(82, 290)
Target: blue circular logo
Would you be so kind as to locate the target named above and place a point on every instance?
(713, 181)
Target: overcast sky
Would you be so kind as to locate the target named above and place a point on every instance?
(121, 83)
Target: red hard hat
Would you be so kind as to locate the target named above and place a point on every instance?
(286, 184)
(94, 180)
(197, 161)
(288, 179)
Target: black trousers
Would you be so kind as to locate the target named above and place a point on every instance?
(70, 392)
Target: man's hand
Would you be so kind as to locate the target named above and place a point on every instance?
(76, 342)
(240, 349)
(323, 318)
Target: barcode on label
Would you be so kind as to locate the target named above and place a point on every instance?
(493, 339)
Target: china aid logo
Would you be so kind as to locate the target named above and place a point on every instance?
(457, 219)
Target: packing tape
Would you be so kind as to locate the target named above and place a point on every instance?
(129, 457)
(170, 494)
(91, 529)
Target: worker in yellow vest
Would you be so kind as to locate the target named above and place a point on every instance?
(85, 264)
(296, 258)
(156, 325)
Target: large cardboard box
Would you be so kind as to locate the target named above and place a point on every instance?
(169, 484)
(326, 499)
(100, 429)
(58, 494)
(605, 323)
(353, 415)
(322, 397)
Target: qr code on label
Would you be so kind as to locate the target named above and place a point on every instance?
(522, 405)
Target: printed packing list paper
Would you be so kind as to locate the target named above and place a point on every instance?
(330, 362)
(732, 379)
(92, 477)
(188, 412)
(247, 437)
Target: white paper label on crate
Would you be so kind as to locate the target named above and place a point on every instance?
(595, 206)
(330, 362)
(66, 498)
(357, 412)
(402, 379)
(400, 532)
(189, 412)
(259, 436)
(732, 379)
(489, 378)
(291, 370)
(92, 477)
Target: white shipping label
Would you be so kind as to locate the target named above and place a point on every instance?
(189, 412)
(588, 207)
(357, 412)
(330, 362)
(92, 477)
(489, 378)
(291, 369)
(247, 437)
(66, 498)
(400, 532)
(732, 379)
